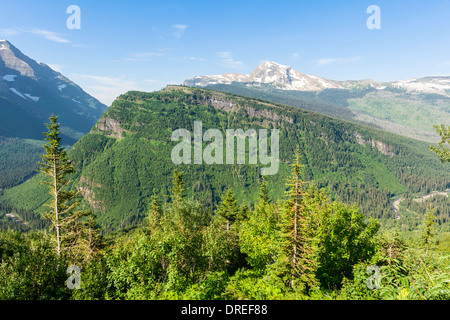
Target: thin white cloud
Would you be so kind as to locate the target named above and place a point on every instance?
(154, 81)
(8, 32)
(179, 30)
(227, 60)
(106, 89)
(50, 35)
(79, 45)
(147, 54)
(325, 61)
(143, 56)
(47, 34)
(175, 31)
(56, 67)
(194, 58)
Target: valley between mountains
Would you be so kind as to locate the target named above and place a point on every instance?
(126, 157)
(357, 207)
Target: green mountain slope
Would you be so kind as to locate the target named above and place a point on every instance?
(391, 109)
(18, 159)
(127, 156)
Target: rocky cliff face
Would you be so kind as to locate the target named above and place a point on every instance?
(110, 126)
(13, 59)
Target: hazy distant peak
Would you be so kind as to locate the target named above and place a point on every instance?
(271, 73)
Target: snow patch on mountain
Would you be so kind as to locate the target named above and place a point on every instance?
(9, 77)
(437, 85)
(18, 93)
(35, 99)
(61, 87)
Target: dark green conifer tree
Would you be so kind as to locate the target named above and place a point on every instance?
(228, 208)
(428, 228)
(62, 213)
(263, 191)
(155, 212)
(297, 261)
(177, 190)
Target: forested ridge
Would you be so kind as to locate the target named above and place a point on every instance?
(390, 109)
(139, 227)
(128, 154)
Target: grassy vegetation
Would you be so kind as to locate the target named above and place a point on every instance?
(407, 112)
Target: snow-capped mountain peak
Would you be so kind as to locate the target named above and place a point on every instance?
(284, 77)
(278, 76)
(14, 59)
(269, 73)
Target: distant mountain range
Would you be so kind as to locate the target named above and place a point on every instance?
(285, 78)
(30, 91)
(409, 107)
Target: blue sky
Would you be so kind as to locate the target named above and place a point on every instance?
(145, 45)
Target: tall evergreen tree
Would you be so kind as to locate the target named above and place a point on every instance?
(428, 228)
(228, 208)
(62, 212)
(155, 212)
(263, 191)
(298, 253)
(392, 246)
(177, 190)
